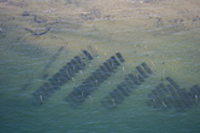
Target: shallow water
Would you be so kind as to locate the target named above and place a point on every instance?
(162, 33)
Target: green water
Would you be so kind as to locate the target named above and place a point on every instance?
(153, 31)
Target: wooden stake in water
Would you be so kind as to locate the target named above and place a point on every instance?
(135, 48)
(81, 63)
(123, 71)
(98, 57)
(83, 97)
(164, 104)
(146, 50)
(73, 82)
(59, 83)
(196, 99)
(112, 63)
(154, 102)
(109, 85)
(163, 75)
(41, 99)
(74, 68)
(163, 59)
(68, 74)
(91, 98)
(137, 77)
(81, 74)
(105, 54)
(96, 81)
(114, 104)
(152, 63)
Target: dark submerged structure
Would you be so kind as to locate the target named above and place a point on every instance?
(80, 93)
(170, 96)
(64, 75)
(126, 87)
(163, 97)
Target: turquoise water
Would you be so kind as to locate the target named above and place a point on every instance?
(153, 31)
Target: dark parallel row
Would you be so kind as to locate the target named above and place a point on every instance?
(125, 88)
(79, 94)
(62, 76)
(171, 96)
